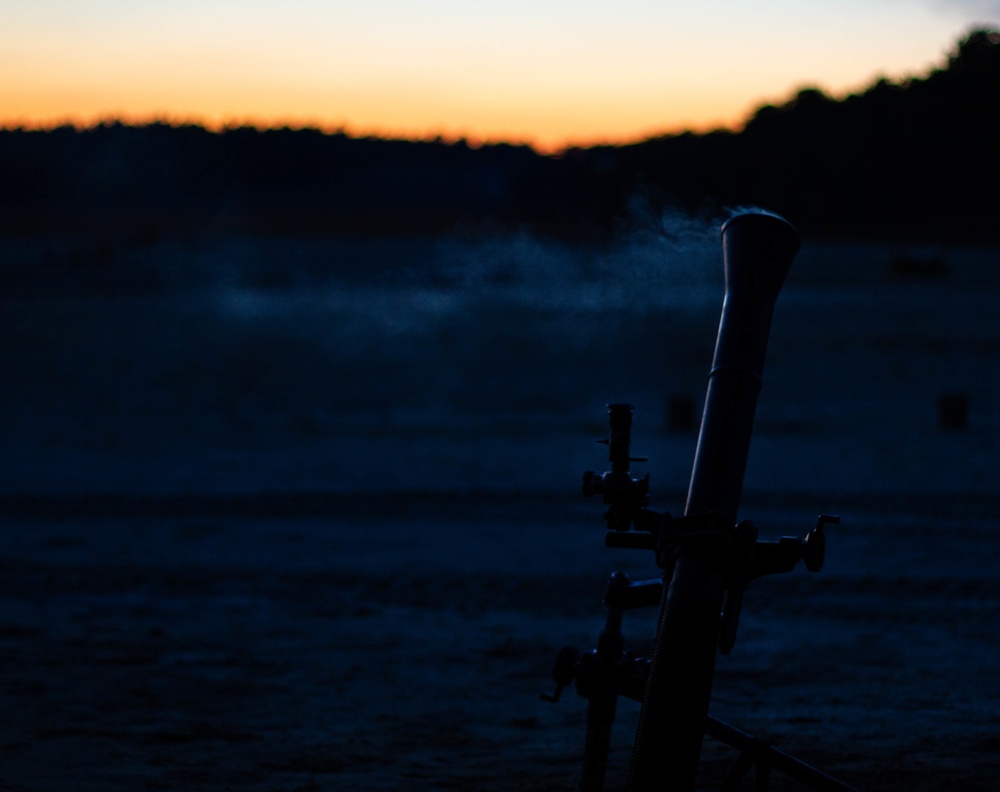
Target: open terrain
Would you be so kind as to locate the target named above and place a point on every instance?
(290, 514)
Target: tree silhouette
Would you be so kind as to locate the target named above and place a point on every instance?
(908, 159)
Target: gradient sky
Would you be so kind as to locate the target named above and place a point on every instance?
(548, 72)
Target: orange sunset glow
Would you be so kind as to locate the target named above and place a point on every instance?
(537, 73)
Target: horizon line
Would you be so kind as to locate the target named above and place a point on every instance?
(92, 121)
(471, 140)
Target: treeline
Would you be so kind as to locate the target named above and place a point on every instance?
(917, 158)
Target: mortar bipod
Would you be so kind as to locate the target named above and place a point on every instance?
(608, 671)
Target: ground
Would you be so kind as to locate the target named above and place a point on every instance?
(269, 654)
(202, 590)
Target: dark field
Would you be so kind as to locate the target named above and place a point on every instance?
(285, 515)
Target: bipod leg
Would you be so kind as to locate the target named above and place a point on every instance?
(750, 756)
(600, 719)
(764, 757)
(602, 695)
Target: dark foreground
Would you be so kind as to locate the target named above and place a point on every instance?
(194, 634)
(402, 642)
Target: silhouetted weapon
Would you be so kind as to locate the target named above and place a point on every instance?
(707, 558)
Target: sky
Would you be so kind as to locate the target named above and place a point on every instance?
(551, 73)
